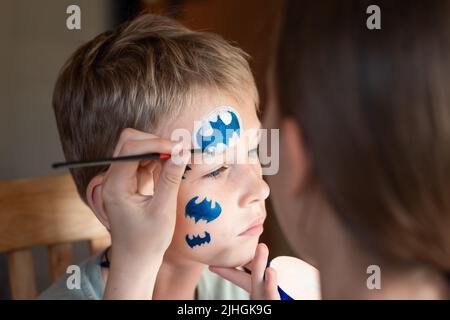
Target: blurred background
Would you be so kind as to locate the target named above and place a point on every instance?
(36, 42)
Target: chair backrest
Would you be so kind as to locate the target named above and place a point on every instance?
(44, 211)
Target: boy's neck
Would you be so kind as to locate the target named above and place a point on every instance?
(177, 278)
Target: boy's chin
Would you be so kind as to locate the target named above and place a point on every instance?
(235, 257)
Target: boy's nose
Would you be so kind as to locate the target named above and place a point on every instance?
(256, 189)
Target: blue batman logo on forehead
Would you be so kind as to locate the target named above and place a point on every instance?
(198, 240)
(202, 210)
(221, 130)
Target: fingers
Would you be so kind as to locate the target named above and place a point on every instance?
(258, 268)
(129, 134)
(170, 176)
(248, 266)
(238, 277)
(123, 175)
(145, 181)
(271, 285)
(262, 283)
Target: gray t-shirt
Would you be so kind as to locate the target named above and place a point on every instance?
(210, 286)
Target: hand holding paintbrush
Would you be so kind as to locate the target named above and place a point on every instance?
(141, 226)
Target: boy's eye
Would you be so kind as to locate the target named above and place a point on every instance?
(216, 173)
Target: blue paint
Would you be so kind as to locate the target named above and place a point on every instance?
(198, 240)
(284, 295)
(202, 210)
(222, 132)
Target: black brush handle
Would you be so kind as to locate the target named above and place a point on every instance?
(106, 161)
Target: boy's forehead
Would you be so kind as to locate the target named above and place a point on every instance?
(203, 105)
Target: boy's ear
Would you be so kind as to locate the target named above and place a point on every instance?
(95, 199)
(294, 150)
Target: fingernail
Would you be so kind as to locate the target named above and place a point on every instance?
(185, 154)
(179, 155)
(177, 149)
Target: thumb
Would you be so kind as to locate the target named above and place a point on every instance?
(170, 177)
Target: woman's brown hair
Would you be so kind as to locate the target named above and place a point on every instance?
(373, 107)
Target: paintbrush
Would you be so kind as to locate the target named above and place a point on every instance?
(106, 161)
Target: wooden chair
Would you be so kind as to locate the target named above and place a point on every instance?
(48, 212)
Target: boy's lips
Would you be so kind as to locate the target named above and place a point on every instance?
(256, 227)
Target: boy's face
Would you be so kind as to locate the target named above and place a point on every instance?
(220, 209)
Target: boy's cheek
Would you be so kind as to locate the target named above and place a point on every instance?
(196, 217)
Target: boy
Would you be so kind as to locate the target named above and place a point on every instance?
(154, 75)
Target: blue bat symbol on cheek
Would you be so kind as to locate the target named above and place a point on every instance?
(198, 240)
(202, 210)
(221, 132)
